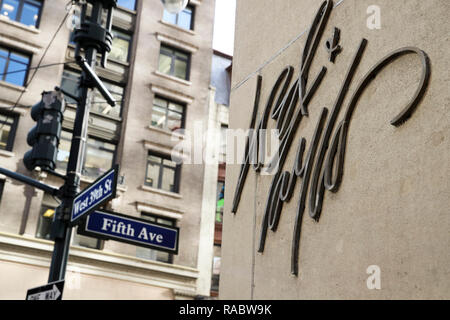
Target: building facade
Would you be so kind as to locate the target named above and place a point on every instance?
(355, 204)
(159, 73)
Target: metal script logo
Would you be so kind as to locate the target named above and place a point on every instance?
(323, 167)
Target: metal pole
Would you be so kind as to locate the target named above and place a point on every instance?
(61, 230)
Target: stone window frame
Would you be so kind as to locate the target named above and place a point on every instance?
(177, 172)
(14, 125)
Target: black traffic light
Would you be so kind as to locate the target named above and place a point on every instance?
(44, 137)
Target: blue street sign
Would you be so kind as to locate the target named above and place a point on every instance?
(114, 226)
(102, 190)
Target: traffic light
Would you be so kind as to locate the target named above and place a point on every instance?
(44, 137)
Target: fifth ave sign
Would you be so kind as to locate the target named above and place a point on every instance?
(102, 190)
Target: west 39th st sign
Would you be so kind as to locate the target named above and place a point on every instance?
(102, 190)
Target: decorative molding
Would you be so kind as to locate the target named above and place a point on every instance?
(171, 94)
(172, 78)
(174, 26)
(7, 154)
(19, 25)
(186, 46)
(37, 252)
(195, 2)
(162, 192)
(161, 210)
(167, 150)
(166, 132)
(20, 44)
(12, 86)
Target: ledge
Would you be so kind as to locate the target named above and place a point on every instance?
(171, 94)
(13, 86)
(161, 210)
(19, 25)
(18, 43)
(7, 154)
(180, 152)
(171, 134)
(174, 26)
(37, 252)
(162, 192)
(186, 46)
(172, 78)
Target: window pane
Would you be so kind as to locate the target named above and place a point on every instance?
(158, 117)
(45, 222)
(120, 46)
(18, 57)
(169, 163)
(30, 14)
(184, 19)
(2, 67)
(9, 9)
(129, 4)
(168, 179)
(4, 135)
(169, 17)
(62, 157)
(181, 69)
(3, 52)
(84, 241)
(99, 158)
(152, 174)
(69, 83)
(151, 254)
(17, 78)
(174, 120)
(100, 105)
(164, 63)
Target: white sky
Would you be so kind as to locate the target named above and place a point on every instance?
(223, 40)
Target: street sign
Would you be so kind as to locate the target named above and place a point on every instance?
(50, 291)
(140, 232)
(102, 190)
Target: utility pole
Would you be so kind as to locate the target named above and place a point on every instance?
(93, 38)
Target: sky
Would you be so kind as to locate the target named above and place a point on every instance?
(223, 40)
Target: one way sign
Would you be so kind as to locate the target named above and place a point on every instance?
(51, 291)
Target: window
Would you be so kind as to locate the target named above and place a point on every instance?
(174, 62)
(27, 12)
(220, 201)
(128, 4)
(47, 212)
(162, 173)
(8, 126)
(120, 46)
(87, 242)
(167, 115)
(45, 222)
(13, 66)
(99, 155)
(69, 83)
(183, 19)
(152, 254)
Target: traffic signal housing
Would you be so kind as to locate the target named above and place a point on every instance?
(45, 135)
